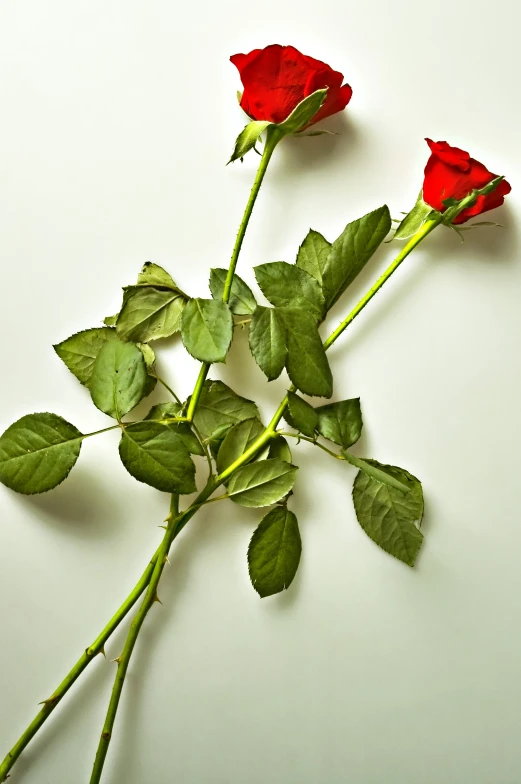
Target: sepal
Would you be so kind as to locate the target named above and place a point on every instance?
(454, 207)
(415, 219)
(303, 113)
(297, 121)
(248, 138)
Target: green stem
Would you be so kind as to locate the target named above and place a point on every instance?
(205, 448)
(301, 437)
(426, 229)
(413, 242)
(196, 394)
(257, 445)
(168, 389)
(165, 421)
(176, 523)
(273, 137)
(90, 653)
(98, 432)
(269, 433)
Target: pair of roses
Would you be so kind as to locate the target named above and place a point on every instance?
(276, 79)
(284, 93)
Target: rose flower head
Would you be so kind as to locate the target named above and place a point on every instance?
(452, 174)
(277, 78)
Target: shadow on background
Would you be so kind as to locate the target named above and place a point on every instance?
(82, 507)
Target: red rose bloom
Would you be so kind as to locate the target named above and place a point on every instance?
(278, 78)
(452, 173)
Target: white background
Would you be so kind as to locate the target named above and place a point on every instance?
(116, 121)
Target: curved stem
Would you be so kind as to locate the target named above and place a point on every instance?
(273, 137)
(176, 523)
(168, 389)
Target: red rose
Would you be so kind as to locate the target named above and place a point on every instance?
(278, 78)
(452, 173)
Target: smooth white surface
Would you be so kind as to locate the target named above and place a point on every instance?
(117, 120)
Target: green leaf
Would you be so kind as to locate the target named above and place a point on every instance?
(303, 113)
(149, 355)
(388, 515)
(288, 336)
(149, 313)
(302, 416)
(220, 407)
(156, 455)
(216, 439)
(242, 302)
(370, 467)
(306, 363)
(274, 552)
(286, 285)
(352, 250)
(80, 350)
(164, 411)
(247, 138)
(37, 452)
(207, 329)
(414, 220)
(341, 422)
(262, 483)
(237, 440)
(313, 253)
(169, 411)
(267, 337)
(111, 321)
(188, 438)
(153, 275)
(149, 386)
(279, 448)
(119, 378)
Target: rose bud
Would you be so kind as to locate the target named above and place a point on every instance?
(451, 174)
(276, 79)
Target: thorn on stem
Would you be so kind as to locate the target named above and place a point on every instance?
(50, 701)
(117, 661)
(157, 599)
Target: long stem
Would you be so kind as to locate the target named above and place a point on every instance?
(89, 654)
(175, 524)
(413, 242)
(273, 136)
(427, 227)
(269, 433)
